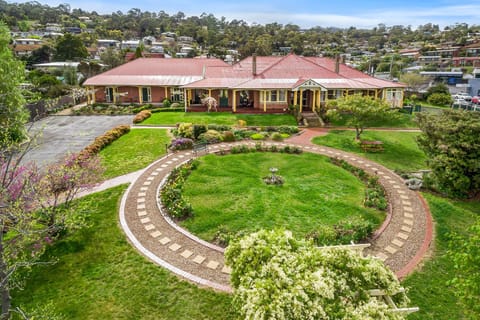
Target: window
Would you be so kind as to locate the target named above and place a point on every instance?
(177, 95)
(274, 96)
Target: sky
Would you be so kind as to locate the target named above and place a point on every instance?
(305, 13)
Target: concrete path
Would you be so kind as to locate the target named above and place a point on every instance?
(400, 242)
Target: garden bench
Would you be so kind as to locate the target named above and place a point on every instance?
(198, 147)
(371, 145)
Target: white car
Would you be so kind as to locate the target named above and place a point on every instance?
(462, 96)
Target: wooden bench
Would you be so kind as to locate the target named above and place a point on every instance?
(198, 147)
(372, 146)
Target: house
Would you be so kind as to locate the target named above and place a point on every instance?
(264, 84)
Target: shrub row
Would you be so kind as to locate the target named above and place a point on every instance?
(171, 193)
(260, 147)
(105, 139)
(142, 115)
(345, 232)
(374, 193)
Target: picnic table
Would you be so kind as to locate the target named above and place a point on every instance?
(371, 145)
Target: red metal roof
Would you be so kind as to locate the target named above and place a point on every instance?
(285, 72)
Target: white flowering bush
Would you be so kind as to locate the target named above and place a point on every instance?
(276, 276)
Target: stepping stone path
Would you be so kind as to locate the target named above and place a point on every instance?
(398, 242)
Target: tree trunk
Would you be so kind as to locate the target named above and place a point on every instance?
(4, 289)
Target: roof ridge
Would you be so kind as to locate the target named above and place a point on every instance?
(274, 64)
(318, 65)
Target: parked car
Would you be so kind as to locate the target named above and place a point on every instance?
(462, 96)
(476, 99)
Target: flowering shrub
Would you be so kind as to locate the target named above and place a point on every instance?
(228, 136)
(278, 277)
(142, 115)
(171, 193)
(185, 130)
(181, 144)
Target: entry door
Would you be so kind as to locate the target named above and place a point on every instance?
(109, 94)
(146, 94)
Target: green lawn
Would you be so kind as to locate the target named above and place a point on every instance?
(428, 288)
(99, 275)
(403, 121)
(226, 118)
(134, 151)
(401, 151)
(229, 191)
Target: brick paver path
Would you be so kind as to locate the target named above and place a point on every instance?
(400, 242)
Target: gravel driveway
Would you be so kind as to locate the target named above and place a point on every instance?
(58, 135)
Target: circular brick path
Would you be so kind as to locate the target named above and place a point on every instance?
(400, 242)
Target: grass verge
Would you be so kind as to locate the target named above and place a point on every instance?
(228, 191)
(133, 151)
(225, 118)
(428, 288)
(99, 275)
(401, 150)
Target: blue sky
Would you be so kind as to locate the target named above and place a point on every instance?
(305, 13)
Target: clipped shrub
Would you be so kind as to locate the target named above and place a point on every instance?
(198, 129)
(323, 235)
(228, 136)
(176, 105)
(284, 135)
(287, 129)
(166, 103)
(219, 127)
(257, 136)
(157, 110)
(181, 144)
(242, 123)
(211, 136)
(185, 130)
(276, 136)
(105, 139)
(141, 116)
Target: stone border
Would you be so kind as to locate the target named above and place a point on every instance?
(397, 241)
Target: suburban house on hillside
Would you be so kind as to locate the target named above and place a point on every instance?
(268, 84)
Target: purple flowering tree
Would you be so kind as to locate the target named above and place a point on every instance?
(35, 205)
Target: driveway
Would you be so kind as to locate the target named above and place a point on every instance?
(56, 136)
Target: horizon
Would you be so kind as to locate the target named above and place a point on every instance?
(304, 13)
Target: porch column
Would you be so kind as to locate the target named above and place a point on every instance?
(115, 94)
(189, 95)
(140, 96)
(295, 97)
(314, 99)
(319, 93)
(234, 104)
(93, 95)
(264, 100)
(209, 92)
(166, 92)
(185, 98)
(301, 100)
(376, 94)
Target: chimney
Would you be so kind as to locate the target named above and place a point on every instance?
(254, 64)
(337, 64)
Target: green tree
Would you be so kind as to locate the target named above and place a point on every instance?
(413, 80)
(276, 276)
(465, 253)
(361, 111)
(13, 114)
(438, 88)
(440, 99)
(452, 145)
(70, 47)
(112, 58)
